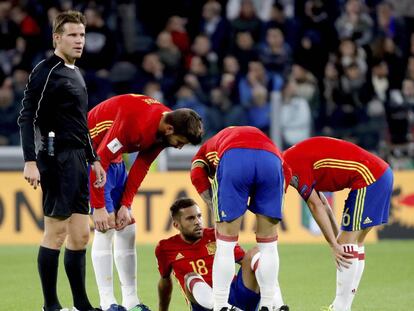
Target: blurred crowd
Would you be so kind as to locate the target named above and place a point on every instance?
(293, 68)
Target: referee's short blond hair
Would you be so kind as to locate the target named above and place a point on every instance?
(61, 19)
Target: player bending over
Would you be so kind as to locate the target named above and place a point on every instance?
(327, 164)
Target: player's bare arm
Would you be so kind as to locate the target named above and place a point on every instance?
(31, 174)
(165, 287)
(206, 196)
(318, 211)
(330, 213)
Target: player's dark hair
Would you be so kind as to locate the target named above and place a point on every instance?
(61, 19)
(186, 122)
(179, 204)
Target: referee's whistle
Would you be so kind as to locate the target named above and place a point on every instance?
(51, 144)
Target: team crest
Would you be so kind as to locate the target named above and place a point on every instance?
(211, 248)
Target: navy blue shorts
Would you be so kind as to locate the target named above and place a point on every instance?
(240, 296)
(368, 206)
(248, 174)
(116, 177)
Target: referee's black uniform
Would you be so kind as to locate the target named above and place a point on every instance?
(56, 101)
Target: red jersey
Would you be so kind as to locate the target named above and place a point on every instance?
(174, 255)
(125, 124)
(329, 164)
(211, 151)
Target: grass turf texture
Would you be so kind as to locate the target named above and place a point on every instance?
(307, 278)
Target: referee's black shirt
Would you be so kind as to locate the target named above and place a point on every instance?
(55, 100)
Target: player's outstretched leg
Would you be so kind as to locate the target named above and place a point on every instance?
(198, 291)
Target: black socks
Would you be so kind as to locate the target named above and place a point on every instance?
(47, 264)
(75, 270)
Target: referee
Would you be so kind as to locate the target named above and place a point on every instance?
(55, 107)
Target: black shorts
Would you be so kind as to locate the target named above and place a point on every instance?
(64, 181)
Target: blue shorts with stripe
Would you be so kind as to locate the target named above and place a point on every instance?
(248, 173)
(240, 296)
(116, 177)
(368, 206)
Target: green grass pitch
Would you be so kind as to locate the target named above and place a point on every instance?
(307, 278)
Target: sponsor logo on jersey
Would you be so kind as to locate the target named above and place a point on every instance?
(115, 145)
(179, 256)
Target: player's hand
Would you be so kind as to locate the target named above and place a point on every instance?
(31, 174)
(101, 219)
(100, 174)
(123, 218)
(341, 258)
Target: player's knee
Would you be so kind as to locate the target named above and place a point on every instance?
(54, 239)
(78, 240)
(250, 255)
(187, 279)
(198, 291)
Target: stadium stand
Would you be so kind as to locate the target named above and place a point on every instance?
(295, 69)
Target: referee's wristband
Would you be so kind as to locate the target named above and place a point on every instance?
(97, 158)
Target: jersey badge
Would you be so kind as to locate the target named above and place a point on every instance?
(211, 248)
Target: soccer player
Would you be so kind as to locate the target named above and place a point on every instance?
(328, 164)
(248, 173)
(189, 256)
(56, 103)
(125, 124)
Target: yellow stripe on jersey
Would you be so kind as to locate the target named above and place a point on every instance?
(359, 209)
(104, 124)
(213, 158)
(211, 153)
(346, 165)
(214, 199)
(199, 163)
(100, 130)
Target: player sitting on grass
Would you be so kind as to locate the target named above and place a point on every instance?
(190, 254)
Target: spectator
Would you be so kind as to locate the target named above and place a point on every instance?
(215, 27)
(223, 113)
(295, 116)
(355, 24)
(307, 88)
(349, 52)
(288, 26)
(390, 26)
(247, 21)
(168, 52)
(9, 31)
(186, 98)
(9, 111)
(258, 113)
(244, 49)
(400, 110)
(275, 54)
